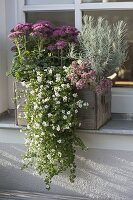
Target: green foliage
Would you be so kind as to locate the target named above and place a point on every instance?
(102, 45)
(50, 111)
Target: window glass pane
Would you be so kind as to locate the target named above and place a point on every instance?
(43, 2)
(57, 18)
(113, 16)
(104, 1)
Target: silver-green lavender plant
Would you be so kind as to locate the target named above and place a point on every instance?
(102, 45)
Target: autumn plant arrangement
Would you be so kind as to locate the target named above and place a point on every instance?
(41, 63)
(53, 63)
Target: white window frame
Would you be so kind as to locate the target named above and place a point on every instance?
(118, 94)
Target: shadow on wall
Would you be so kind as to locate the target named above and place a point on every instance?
(101, 174)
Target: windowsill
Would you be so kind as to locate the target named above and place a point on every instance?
(7, 120)
(120, 124)
(114, 127)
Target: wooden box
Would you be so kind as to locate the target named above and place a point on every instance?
(96, 115)
(19, 104)
(98, 111)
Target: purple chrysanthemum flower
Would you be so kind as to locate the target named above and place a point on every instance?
(38, 27)
(42, 26)
(19, 27)
(36, 34)
(46, 23)
(14, 35)
(27, 26)
(61, 44)
(59, 32)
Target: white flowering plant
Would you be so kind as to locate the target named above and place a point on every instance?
(51, 113)
(51, 103)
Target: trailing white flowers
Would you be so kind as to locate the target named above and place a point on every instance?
(51, 114)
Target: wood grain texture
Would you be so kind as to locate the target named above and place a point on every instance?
(98, 111)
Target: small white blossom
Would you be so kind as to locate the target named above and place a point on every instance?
(28, 127)
(36, 136)
(62, 85)
(47, 99)
(76, 111)
(40, 115)
(57, 89)
(67, 127)
(38, 73)
(68, 113)
(47, 186)
(44, 124)
(59, 154)
(46, 106)
(50, 71)
(35, 106)
(75, 95)
(64, 117)
(32, 92)
(64, 98)
(63, 111)
(42, 133)
(59, 141)
(58, 128)
(49, 82)
(57, 94)
(49, 114)
(58, 77)
(40, 95)
(68, 86)
(80, 103)
(37, 125)
(39, 79)
(49, 156)
(58, 102)
(85, 104)
(79, 62)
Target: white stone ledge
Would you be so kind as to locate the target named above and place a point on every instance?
(20, 195)
(97, 141)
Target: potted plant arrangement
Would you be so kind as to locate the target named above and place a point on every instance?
(54, 66)
(103, 50)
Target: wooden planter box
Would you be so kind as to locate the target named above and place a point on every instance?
(96, 115)
(98, 111)
(19, 104)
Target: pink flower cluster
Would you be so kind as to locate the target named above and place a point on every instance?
(81, 75)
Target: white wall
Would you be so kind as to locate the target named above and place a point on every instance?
(11, 20)
(3, 63)
(122, 100)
